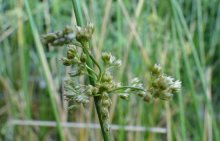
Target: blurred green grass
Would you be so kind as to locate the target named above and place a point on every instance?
(183, 36)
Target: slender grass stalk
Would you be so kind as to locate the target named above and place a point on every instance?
(214, 38)
(120, 104)
(79, 20)
(169, 121)
(22, 61)
(23, 69)
(46, 71)
(200, 32)
(121, 121)
(198, 65)
(180, 96)
(188, 73)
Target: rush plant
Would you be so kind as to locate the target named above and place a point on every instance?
(101, 84)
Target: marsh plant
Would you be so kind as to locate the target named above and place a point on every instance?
(102, 83)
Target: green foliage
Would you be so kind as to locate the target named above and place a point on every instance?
(182, 36)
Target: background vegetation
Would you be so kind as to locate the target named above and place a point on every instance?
(182, 35)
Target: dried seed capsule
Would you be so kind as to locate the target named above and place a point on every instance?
(117, 63)
(106, 126)
(67, 30)
(103, 87)
(124, 96)
(70, 54)
(84, 33)
(104, 112)
(48, 38)
(166, 96)
(94, 91)
(90, 27)
(107, 77)
(106, 57)
(89, 90)
(141, 93)
(162, 83)
(81, 69)
(156, 70)
(147, 97)
(76, 60)
(175, 87)
(106, 102)
(66, 61)
(83, 58)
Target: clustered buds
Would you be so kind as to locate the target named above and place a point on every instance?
(77, 56)
(105, 105)
(75, 93)
(110, 60)
(69, 34)
(85, 33)
(162, 86)
(73, 58)
(71, 53)
(60, 38)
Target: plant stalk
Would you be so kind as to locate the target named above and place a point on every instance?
(52, 92)
(85, 44)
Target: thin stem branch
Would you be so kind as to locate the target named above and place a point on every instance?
(92, 70)
(126, 87)
(94, 61)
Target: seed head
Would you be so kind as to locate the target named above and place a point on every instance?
(106, 58)
(124, 96)
(83, 58)
(66, 61)
(156, 70)
(147, 97)
(141, 93)
(84, 33)
(117, 63)
(161, 85)
(175, 87)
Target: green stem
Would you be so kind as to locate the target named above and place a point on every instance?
(85, 44)
(46, 70)
(127, 87)
(97, 99)
(92, 70)
(23, 63)
(94, 61)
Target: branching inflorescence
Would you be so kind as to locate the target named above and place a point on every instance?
(78, 53)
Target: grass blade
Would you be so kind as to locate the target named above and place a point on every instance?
(47, 74)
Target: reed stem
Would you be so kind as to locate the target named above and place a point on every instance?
(85, 44)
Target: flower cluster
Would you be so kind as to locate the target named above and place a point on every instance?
(73, 58)
(78, 55)
(60, 38)
(69, 35)
(84, 33)
(110, 60)
(78, 94)
(162, 86)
